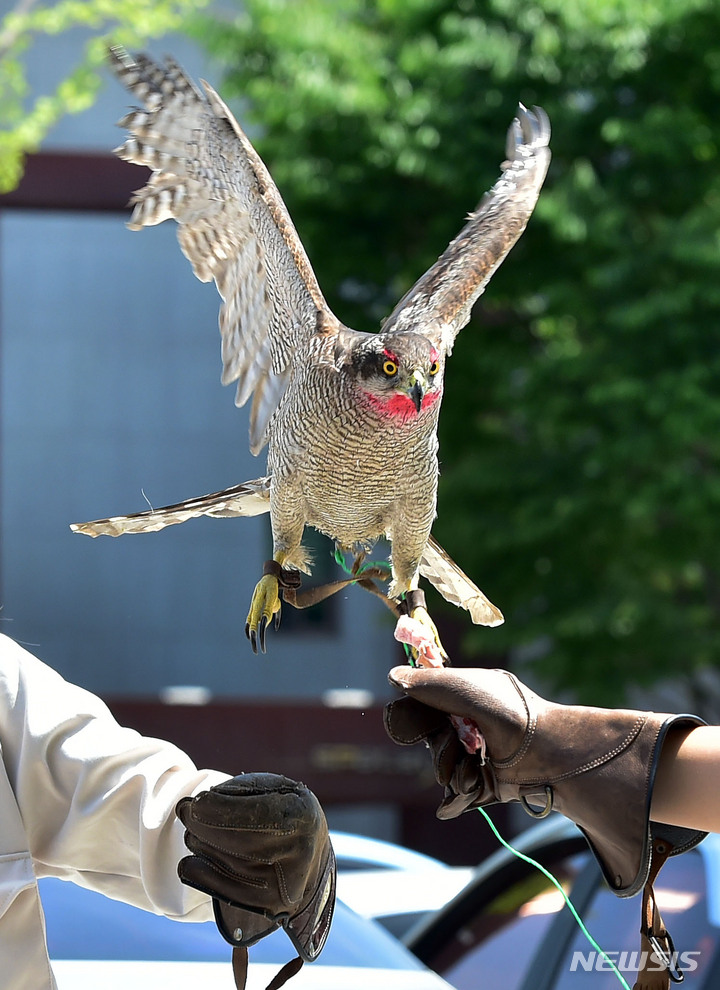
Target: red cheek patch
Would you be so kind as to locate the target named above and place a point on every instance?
(400, 407)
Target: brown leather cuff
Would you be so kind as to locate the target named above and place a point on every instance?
(286, 578)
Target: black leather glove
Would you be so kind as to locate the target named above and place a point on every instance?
(260, 848)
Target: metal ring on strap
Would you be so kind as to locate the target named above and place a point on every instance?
(544, 812)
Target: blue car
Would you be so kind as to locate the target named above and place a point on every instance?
(94, 942)
(510, 928)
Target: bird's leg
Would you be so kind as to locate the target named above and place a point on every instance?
(409, 535)
(417, 609)
(264, 605)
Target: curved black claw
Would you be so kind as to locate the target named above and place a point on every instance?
(251, 635)
(276, 620)
(261, 633)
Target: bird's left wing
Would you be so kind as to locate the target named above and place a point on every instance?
(438, 567)
(439, 303)
(233, 226)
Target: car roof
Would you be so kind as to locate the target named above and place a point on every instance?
(83, 924)
(354, 852)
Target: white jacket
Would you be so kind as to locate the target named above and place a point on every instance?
(83, 799)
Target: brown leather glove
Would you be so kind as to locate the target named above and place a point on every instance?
(260, 848)
(596, 766)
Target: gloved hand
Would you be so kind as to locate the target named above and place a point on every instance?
(596, 766)
(488, 697)
(585, 762)
(260, 848)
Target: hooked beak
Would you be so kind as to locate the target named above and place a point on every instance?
(418, 386)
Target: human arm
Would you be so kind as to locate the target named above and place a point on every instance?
(97, 800)
(686, 791)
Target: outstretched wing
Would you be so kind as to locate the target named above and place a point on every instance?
(438, 567)
(249, 499)
(234, 227)
(439, 304)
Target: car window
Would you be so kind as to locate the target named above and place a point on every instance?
(614, 922)
(501, 938)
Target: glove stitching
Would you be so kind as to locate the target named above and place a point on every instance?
(590, 765)
(255, 791)
(519, 754)
(599, 760)
(272, 828)
(225, 851)
(410, 740)
(282, 884)
(223, 871)
(530, 727)
(407, 740)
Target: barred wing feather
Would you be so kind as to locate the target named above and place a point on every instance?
(249, 499)
(233, 226)
(441, 300)
(443, 573)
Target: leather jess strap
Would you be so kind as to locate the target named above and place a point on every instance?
(290, 581)
(657, 951)
(240, 969)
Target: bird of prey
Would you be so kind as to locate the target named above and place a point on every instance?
(349, 418)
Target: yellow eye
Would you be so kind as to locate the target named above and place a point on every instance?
(390, 368)
(434, 367)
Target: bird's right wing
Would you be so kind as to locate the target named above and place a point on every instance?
(456, 587)
(233, 226)
(249, 499)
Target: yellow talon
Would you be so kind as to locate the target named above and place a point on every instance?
(264, 605)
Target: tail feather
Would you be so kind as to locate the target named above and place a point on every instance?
(456, 587)
(249, 499)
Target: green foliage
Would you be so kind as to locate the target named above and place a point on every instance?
(128, 22)
(580, 433)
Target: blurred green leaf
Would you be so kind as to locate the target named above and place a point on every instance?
(24, 123)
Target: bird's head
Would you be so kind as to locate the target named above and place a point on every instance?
(398, 374)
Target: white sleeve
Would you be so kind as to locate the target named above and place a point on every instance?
(97, 800)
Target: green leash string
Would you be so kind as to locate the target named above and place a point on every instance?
(340, 561)
(553, 880)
